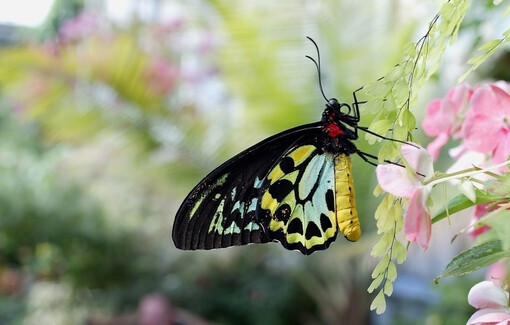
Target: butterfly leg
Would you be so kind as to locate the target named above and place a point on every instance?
(355, 105)
(364, 156)
(365, 129)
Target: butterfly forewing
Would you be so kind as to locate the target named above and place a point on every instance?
(221, 210)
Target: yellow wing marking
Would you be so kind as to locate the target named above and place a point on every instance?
(301, 154)
(275, 174)
(268, 202)
(346, 213)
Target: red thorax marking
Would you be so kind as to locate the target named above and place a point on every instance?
(333, 130)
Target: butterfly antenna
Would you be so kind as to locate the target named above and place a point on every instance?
(318, 66)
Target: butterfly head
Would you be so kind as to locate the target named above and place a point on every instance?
(339, 113)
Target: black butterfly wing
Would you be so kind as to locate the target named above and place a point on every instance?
(221, 210)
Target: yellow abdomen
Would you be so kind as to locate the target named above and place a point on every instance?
(346, 213)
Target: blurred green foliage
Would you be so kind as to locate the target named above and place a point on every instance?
(60, 12)
(102, 134)
(245, 289)
(452, 307)
(50, 227)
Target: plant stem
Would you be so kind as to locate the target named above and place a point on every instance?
(464, 173)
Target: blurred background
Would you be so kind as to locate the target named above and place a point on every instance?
(111, 111)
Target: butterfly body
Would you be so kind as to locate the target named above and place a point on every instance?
(295, 187)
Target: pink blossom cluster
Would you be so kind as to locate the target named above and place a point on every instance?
(480, 116)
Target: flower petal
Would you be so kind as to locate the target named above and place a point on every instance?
(430, 122)
(435, 146)
(477, 229)
(485, 123)
(442, 114)
(395, 180)
(485, 101)
(502, 101)
(496, 273)
(417, 223)
(459, 96)
(464, 159)
(492, 316)
(419, 159)
(487, 295)
(502, 150)
(481, 133)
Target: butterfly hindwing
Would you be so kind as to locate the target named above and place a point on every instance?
(221, 210)
(297, 202)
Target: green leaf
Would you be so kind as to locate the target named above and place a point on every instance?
(461, 202)
(399, 132)
(372, 106)
(389, 106)
(386, 114)
(474, 258)
(392, 272)
(407, 119)
(388, 151)
(477, 60)
(378, 191)
(388, 288)
(380, 266)
(490, 45)
(409, 51)
(376, 90)
(399, 252)
(375, 284)
(381, 126)
(446, 10)
(382, 209)
(382, 245)
(400, 92)
(384, 216)
(385, 224)
(379, 303)
(396, 73)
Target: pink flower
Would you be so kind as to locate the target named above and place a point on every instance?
(480, 211)
(465, 159)
(399, 182)
(442, 119)
(487, 125)
(496, 273)
(492, 302)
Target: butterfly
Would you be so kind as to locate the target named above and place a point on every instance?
(295, 187)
